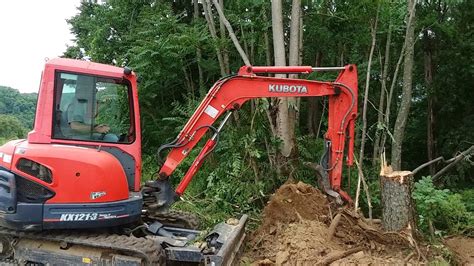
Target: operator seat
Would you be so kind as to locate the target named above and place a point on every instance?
(82, 96)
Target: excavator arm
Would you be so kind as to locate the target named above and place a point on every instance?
(230, 93)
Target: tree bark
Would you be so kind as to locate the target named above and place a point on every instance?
(404, 110)
(366, 90)
(397, 206)
(224, 20)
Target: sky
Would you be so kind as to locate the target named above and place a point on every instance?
(30, 32)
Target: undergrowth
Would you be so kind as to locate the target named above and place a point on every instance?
(442, 212)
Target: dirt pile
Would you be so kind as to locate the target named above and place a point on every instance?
(296, 231)
(463, 249)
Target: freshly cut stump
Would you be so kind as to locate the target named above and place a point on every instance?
(397, 205)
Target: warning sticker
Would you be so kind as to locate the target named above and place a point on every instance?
(211, 111)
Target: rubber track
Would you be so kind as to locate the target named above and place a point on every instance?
(143, 248)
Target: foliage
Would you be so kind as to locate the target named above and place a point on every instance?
(11, 128)
(19, 105)
(445, 212)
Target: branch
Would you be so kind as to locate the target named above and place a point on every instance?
(332, 258)
(453, 161)
(231, 33)
(450, 162)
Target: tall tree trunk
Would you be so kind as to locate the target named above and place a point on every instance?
(390, 96)
(314, 106)
(225, 50)
(212, 30)
(198, 49)
(366, 91)
(268, 52)
(283, 121)
(383, 89)
(232, 35)
(428, 65)
(404, 110)
(293, 60)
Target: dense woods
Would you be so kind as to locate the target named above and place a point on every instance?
(415, 63)
(17, 112)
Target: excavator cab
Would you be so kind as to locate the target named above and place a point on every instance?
(86, 136)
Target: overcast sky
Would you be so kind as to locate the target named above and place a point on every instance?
(30, 31)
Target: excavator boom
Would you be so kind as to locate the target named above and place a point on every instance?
(230, 93)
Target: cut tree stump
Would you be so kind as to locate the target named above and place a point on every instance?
(397, 206)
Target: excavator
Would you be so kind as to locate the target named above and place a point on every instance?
(71, 192)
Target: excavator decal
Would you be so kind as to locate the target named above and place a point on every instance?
(287, 88)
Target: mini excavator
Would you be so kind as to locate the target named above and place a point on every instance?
(71, 193)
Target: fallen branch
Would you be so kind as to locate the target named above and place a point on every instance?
(334, 224)
(366, 187)
(332, 258)
(450, 162)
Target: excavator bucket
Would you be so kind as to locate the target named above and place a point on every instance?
(219, 247)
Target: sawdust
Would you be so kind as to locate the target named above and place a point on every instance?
(295, 231)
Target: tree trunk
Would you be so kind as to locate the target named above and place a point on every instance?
(282, 121)
(198, 49)
(314, 107)
(390, 96)
(225, 51)
(397, 207)
(268, 52)
(366, 91)
(293, 60)
(212, 30)
(383, 89)
(404, 110)
(428, 60)
(224, 20)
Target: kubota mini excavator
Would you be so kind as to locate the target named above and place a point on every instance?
(71, 192)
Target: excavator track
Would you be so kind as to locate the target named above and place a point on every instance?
(145, 249)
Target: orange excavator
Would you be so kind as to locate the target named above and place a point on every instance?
(71, 193)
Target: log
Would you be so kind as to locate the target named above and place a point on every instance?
(397, 206)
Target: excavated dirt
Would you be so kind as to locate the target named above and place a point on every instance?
(463, 249)
(295, 231)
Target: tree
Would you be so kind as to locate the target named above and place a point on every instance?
(404, 109)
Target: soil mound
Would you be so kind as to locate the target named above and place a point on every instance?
(463, 249)
(296, 231)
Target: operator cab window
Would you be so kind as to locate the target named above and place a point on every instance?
(92, 108)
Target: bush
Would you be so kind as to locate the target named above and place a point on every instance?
(445, 212)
